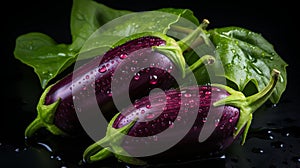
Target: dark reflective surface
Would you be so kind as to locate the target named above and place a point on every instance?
(274, 139)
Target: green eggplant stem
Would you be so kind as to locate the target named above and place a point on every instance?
(204, 60)
(111, 145)
(44, 117)
(247, 105)
(33, 127)
(193, 36)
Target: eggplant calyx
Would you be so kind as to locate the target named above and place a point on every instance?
(111, 145)
(44, 117)
(247, 105)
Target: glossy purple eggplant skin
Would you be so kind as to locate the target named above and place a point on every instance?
(94, 78)
(220, 139)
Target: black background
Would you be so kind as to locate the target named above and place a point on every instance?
(20, 89)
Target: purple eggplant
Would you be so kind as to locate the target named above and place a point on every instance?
(56, 108)
(220, 107)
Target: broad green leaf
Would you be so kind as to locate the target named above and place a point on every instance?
(87, 16)
(248, 57)
(185, 13)
(156, 21)
(43, 54)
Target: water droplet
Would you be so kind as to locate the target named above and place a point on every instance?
(281, 78)
(150, 116)
(221, 127)
(136, 76)
(87, 77)
(296, 159)
(61, 54)
(231, 120)
(171, 124)
(204, 119)
(123, 56)
(257, 150)
(208, 93)
(109, 93)
(153, 79)
(102, 69)
(142, 111)
(155, 138)
(178, 118)
(58, 158)
(277, 144)
(17, 150)
(217, 123)
(187, 95)
(148, 106)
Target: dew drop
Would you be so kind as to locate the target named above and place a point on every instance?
(178, 118)
(123, 56)
(148, 106)
(296, 159)
(257, 150)
(277, 144)
(150, 116)
(132, 69)
(153, 80)
(187, 95)
(136, 76)
(102, 69)
(87, 77)
(61, 54)
(171, 124)
(109, 93)
(58, 158)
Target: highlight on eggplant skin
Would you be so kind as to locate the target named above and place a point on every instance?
(236, 115)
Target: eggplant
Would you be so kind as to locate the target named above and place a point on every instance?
(222, 116)
(56, 108)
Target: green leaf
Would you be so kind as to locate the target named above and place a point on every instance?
(43, 54)
(248, 57)
(133, 24)
(86, 17)
(185, 13)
